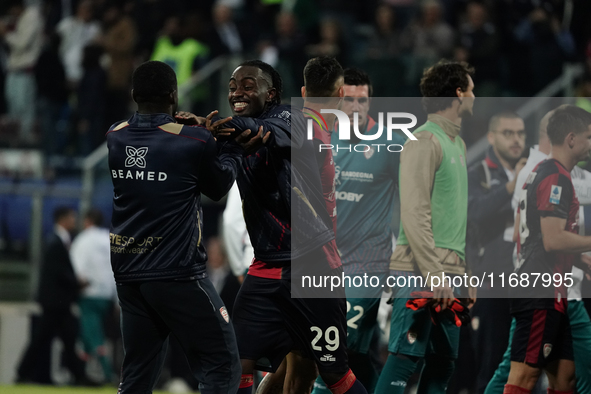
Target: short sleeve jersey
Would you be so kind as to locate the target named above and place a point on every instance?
(548, 192)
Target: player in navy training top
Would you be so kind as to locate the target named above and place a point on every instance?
(159, 169)
(265, 309)
(548, 243)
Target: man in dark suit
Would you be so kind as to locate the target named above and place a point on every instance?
(225, 36)
(58, 289)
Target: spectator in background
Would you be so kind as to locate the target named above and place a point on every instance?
(220, 274)
(306, 14)
(24, 41)
(428, 38)
(225, 37)
(3, 56)
(479, 39)
(549, 45)
(147, 15)
(119, 42)
(584, 94)
(405, 10)
(52, 96)
(384, 42)
(290, 43)
(491, 184)
(184, 54)
(91, 102)
(331, 41)
(58, 290)
(91, 259)
(265, 11)
(77, 32)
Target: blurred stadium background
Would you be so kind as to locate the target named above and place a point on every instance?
(65, 69)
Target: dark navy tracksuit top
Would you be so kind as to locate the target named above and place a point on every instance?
(159, 170)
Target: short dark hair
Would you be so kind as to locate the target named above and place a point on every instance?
(61, 212)
(357, 77)
(567, 119)
(442, 80)
(494, 120)
(321, 75)
(277, 82)
(95, 216)
(152, 82)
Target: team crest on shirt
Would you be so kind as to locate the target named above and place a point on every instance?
(555, 193)
(411, 337)
(547, 349)
(462, 161)
(224, 313)
(337, 173)
(369, 153)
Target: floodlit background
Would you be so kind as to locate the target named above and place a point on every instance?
(65, 69)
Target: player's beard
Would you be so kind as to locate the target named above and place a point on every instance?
(466, 113)
(585, 156)
(508, 157)
(466, 109)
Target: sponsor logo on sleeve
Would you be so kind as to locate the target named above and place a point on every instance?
(224, 313)
(555, 194)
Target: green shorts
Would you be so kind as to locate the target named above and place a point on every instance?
(362, 314)
(412, 333)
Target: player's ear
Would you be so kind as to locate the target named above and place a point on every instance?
(133, 96)
(173, 97)
(271, 93)
(459, 92)
(342, 91)
(303, 91)
(490, 138)
(570, 139)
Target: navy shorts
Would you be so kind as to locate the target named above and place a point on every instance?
(193, 312)
(269, 323)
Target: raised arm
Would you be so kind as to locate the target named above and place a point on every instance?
(287, 129)
(218, 167)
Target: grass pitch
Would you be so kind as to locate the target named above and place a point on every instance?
(27, 389)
